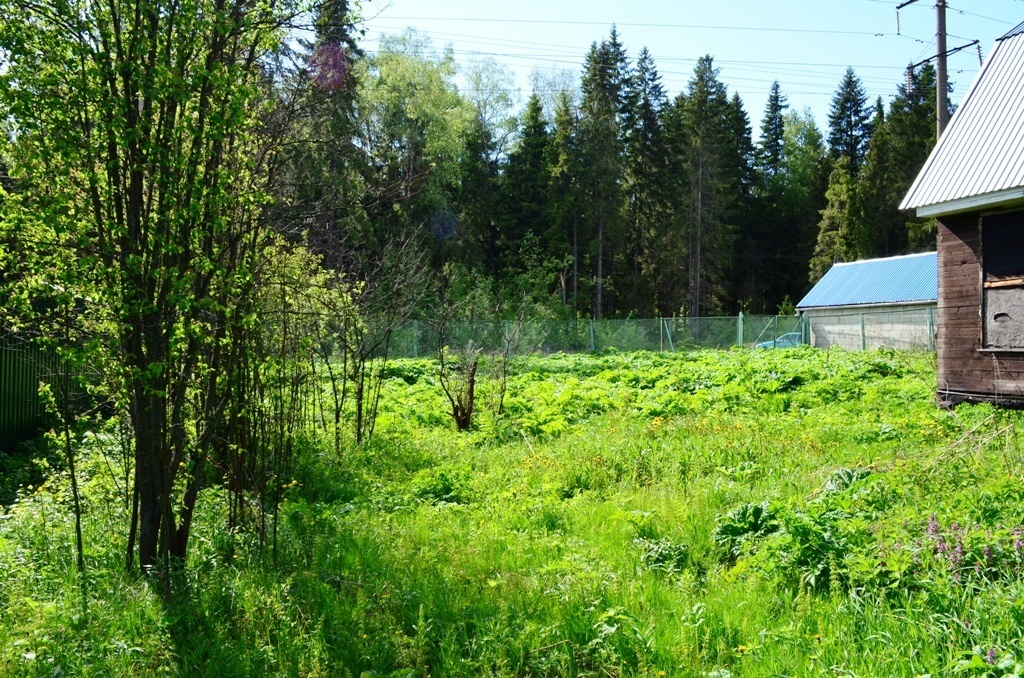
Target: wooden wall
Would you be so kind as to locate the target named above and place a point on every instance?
(965, 372)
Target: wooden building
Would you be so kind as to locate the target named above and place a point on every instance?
(973, 184)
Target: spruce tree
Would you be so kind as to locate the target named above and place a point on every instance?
(911, 122)
(317, 187)
(565, 199)
(882, 234)
(769, 154)
(480, 240)
(645, 182)
(848, 120)
(710, 124)
(526, 179)
(672, 281)
(767, 231)
(745, 153)
(840, 221)
(618, 76)
(477, 239)
(601, 144)
(801, 186)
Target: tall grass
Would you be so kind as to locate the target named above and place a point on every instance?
(600, 526)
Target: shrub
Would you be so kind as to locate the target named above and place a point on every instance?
(742, 526)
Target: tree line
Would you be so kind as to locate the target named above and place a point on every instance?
(606, 198)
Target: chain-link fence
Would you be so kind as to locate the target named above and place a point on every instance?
(22, 366)
(905, 329)
(417, 338)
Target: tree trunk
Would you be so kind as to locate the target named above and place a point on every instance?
(600, 262)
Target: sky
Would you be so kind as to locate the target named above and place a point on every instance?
(805, 44)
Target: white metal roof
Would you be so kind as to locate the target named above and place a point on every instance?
(979, 161)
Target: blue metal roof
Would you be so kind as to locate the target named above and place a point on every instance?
(895, 280)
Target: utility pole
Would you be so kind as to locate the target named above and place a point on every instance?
(942, 83)
(942, 93)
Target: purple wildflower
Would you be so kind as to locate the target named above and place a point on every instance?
(933, 526)
(956, 556)
(1018, 545)
(988, 555)
(991, 656)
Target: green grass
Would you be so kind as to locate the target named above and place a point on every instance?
(742, 513)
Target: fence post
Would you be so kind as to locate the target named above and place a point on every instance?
(739, 329)
(661, 334)
(863, 335)
(415, 339)
(592, 347)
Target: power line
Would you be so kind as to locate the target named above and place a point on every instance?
(982, 16)
(799, 77)
(571, 56)
(828, 79)
(574, 51)
(704, 27)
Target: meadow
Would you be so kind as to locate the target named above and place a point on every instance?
(788, 512)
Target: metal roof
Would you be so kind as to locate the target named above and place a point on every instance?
(979, 161)
(912, 278)
(1017, 30)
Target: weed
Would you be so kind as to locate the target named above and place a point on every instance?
(629, 514)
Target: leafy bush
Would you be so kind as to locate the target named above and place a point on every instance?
(843, 478)
(441, 484)
(662, 555)
(743, 525)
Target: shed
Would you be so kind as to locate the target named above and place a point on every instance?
(874, 303)
(973, 184)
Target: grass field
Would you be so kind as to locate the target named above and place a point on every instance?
(743, 513)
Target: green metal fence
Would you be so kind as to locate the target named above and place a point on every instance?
(416, 339)
(22, 366)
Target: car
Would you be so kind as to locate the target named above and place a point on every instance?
(787, 340)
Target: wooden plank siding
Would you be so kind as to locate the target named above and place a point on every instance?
(965, 372)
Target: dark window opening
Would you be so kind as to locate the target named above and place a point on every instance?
(1002, 257)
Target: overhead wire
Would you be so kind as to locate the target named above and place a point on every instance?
(981, 16)
(565, 55)
(705, 27)
(555, 55)
(574, 51)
